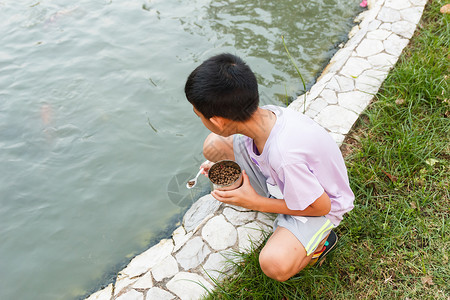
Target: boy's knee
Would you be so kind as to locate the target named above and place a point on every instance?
(217, 147)
(274, 266)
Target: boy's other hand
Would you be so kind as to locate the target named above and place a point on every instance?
(244, 196)
(206, 166)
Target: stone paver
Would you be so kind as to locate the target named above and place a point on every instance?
(180, 237)
(131, 295)
(236, 217)
(368, 84)
(122, 282)
(355, 101)
(382, 61)
(193, 253)
(404, 28)
(225, 239)
(266, 218)
(166, 268)
(104, 294)
(355, 66)
(369, 47)
(145, 261)
(336, 118)
(199, 211)
(346, 84)
(160, 294)
(394, 44)
(250, 235)
(389, 15)
(188, 286)
(379, 34)
(179, 268)
(216, 266)
(145, 282)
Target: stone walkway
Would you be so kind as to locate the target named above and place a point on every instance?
(182, 267)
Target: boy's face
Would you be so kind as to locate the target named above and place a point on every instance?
(211, 125)
(208, 124)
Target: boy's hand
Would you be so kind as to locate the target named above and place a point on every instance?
(206, 166)
(244, 196)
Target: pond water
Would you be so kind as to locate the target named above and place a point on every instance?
(96, 136)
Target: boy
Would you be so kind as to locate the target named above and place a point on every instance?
(292, 166)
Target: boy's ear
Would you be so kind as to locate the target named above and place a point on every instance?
(219, 122)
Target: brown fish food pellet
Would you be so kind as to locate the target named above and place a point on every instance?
(224, 175)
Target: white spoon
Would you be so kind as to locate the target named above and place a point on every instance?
(191, 183)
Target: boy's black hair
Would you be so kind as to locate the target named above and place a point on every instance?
(223, 86)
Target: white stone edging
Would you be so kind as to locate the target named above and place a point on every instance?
(200, 249)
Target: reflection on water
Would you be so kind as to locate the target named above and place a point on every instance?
(96, 137)
(310, 29)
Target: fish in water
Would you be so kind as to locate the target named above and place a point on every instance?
(55, 17)
(46, 114)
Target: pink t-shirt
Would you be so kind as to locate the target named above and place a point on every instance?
(303, 160)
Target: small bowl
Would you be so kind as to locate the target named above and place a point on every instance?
(236, 184)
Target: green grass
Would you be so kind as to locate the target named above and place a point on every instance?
(395, 243)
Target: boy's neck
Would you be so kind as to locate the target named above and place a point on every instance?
(258, 127)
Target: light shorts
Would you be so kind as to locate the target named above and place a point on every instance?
(310, 231)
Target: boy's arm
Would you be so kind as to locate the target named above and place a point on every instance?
(320, 207)
(246, 196)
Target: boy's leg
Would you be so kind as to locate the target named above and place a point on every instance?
(284, 255)
(217, 147)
